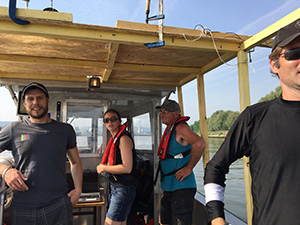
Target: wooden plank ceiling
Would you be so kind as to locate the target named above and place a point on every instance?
(55, 49)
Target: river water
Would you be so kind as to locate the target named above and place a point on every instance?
(235, 201)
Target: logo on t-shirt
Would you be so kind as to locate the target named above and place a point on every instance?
(25, 137)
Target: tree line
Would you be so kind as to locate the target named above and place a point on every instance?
(223, 120)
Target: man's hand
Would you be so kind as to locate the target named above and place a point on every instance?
(218, 221)
(15, 180)
(74, 195)
(182, 173)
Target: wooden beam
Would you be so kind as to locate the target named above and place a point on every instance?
(53, 61)
(180, 99)
(30, 14)
(106, 34)
(201, 44)
(154, 68)
(188, 78)
(95, 64)
(270, 31)
(208, 67)
(82, 78)
(217, 62)
(244, 91)
(111, 58)
(143, 82)
(202, 117)
(83, 84)
(42, 77)
(193, 33)
(243, 72)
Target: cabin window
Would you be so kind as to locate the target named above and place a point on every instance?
(87, 123)
(142, 132)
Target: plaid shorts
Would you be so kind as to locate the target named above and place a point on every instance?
(57, 213)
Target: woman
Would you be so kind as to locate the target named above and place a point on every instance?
(118, 160)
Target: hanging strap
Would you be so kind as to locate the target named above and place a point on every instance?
(164, 174)
(156, 174)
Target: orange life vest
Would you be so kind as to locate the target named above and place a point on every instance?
(165, 140)
(109, 156)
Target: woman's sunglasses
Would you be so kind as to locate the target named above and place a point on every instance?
(292, 54)
(112, 119)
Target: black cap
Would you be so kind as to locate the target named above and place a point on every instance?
(169, 105)
(34, 85)
(287, 34)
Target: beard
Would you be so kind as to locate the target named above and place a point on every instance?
(38, 116)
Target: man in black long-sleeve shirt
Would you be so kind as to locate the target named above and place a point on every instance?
(268, 132)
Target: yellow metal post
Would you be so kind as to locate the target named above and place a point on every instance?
(244, 92)
(202, 116)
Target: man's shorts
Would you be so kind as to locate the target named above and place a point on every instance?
(177, 207)
(120, 202)
(59, 212)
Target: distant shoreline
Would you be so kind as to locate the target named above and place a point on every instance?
(217, 134)
(211, 134)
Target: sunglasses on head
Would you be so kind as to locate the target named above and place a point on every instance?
(292, 54)
(112, 119)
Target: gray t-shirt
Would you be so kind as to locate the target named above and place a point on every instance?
(39, 152)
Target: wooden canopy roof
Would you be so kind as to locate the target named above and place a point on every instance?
(57, 51)
(53, 48)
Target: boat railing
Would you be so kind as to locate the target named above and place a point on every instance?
(201, 213)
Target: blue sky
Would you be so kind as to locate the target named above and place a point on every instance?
(221, 85)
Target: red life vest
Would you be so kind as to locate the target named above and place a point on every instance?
(109, 156)
(165, 140)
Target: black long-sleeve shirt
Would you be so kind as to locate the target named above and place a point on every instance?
(269, 133)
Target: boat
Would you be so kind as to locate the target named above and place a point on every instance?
(131, 68)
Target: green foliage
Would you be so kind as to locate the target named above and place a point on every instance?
(223, 120)
(231, 118)
(272, 95)
(220, 120)
(196, 126)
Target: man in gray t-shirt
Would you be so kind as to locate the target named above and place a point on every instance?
(39, 146)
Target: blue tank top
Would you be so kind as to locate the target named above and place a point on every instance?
(169, 183)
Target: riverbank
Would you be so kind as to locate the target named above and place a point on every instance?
(217, 134)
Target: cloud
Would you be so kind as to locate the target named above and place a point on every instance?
(266, 20)
(139, 12)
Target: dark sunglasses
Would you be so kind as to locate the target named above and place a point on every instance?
(292, 54)
(112, 119)
(166, 111)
